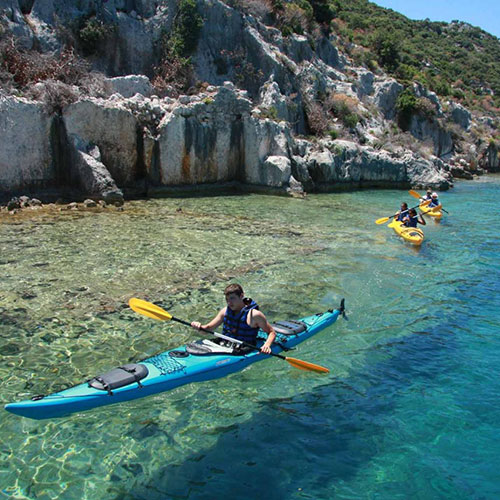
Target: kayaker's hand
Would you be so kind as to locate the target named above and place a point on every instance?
(265, 349)
(196, 325)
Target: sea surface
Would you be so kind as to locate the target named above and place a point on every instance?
(410, 408)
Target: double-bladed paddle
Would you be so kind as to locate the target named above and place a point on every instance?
(156, 312)
(383, 220)
(416, 195)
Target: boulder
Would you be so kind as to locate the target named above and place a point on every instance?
(275, 172)
(92, 175)
(128, 86)
(113, 128)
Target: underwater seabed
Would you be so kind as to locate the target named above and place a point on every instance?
(409, 409)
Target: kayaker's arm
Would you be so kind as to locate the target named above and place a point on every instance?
(214, 323)
(259, 320)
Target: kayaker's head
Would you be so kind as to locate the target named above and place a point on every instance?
(412, 212)
(429, 192)
(434, 195)
(234, 297)
(404, 206)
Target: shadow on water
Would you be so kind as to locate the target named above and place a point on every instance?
(334, 430)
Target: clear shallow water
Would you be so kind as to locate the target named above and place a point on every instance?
(410, 408)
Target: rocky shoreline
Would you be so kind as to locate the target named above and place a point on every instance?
(308, 120)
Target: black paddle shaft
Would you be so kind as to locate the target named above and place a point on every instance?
(246, 344)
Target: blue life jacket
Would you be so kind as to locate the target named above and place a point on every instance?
(412, 221)
(402, 215)
(235, 324)
(434, 203)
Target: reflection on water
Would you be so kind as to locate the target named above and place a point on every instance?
(398, 413)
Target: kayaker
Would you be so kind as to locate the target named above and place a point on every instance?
(427, 196)
(434, 201)
(413, 219)
(241, 319)
(403, 212)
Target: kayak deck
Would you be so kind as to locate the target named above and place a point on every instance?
(432, 211)
(165, 371)
(412, 235)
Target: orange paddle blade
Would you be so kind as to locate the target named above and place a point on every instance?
(304, 365)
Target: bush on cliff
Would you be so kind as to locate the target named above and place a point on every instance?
(24, 67)
(91, 33)
(406, 106)
(174, 73)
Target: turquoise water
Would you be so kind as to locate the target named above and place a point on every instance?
(409, 410)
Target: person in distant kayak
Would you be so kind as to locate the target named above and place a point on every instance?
(412, 219)
(241, 319)
(403, 212)
(427, 196)
(434, 200)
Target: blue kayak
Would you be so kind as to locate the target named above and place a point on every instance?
(196, 362)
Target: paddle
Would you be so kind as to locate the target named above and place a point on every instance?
(156, 312)
(383, 220)
(416, 195)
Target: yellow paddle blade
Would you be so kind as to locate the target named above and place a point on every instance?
(414, 194)
(383, 220)
(304, 365)
(148, 309)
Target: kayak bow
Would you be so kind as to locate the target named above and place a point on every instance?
(412, 235)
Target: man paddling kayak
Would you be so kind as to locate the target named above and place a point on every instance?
(403, 212)
(427, 196)
(241, 318)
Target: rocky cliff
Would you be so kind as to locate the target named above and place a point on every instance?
(260, 109)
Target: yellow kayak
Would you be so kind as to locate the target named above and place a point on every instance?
(433, 211)
(412, 235)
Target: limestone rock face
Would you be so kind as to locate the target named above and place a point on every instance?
(13, 20)
(423, 128)
(271, 99)
(489, 160)
(460, 115)
(386, 93)
(202, 142)
(352, 164)
(110, 126)
(25, 153)
(262, 139)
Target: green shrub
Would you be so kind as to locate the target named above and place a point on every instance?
(91, 33)
(350, 120)
(387, 46)
(183, 39)
(406, 106)
(333, 134)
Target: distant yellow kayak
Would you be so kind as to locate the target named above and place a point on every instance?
(412, 235)
(433, 211)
